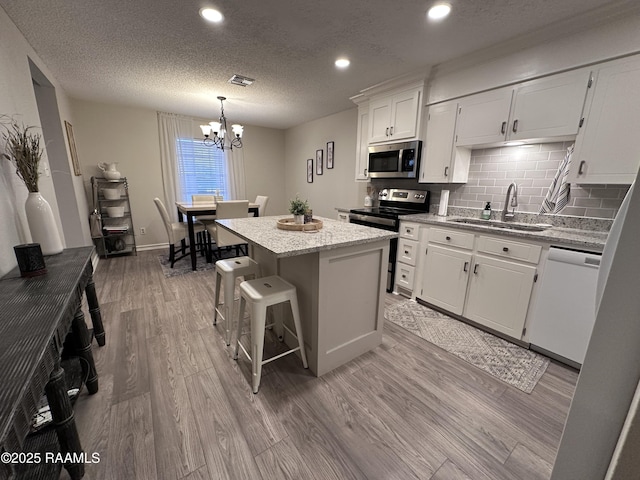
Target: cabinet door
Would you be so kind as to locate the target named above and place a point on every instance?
(404, 115)
(438, 148)
(549, 107)
(379, 120)
(444, 282)
(362, 144)
(484, 118)
(499, 294)
(607, 147)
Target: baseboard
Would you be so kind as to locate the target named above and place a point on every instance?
(152, 246)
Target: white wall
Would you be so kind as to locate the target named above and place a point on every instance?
(336, 187)
(17, 98)
(129, 136)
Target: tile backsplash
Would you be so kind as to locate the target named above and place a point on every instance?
(532, 168)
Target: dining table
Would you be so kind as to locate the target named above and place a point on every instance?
(191, 211)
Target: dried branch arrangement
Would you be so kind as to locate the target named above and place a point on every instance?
(22, 148)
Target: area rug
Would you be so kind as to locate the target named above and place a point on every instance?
(506, 361)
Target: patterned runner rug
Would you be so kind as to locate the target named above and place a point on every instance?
(183, 266)
(506, 361)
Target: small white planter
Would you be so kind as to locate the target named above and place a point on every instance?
(298, 219)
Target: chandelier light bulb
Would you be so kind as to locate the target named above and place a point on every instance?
(237, 130)
(206, 130)
(215, 127)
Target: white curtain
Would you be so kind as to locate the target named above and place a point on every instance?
(234, 160)
(171, 127)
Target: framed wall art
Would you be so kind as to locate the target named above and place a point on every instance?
(330, 146)
(310, 170)
(319, 164)
(72, 148)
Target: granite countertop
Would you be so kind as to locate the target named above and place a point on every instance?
(560, 236)
(262, 231)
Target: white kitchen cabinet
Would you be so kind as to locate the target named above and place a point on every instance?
(442, 161)
(445, 277)
(607, 148)
(410, 243)
(546, 108)
(362, 143)
(394, 117)
(499, 294)
(484, 117)
(484, 278)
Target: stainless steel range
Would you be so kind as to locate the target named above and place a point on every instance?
(393, 202)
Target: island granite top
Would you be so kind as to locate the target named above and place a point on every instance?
(262, 231)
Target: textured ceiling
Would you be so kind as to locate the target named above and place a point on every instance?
(162, 55)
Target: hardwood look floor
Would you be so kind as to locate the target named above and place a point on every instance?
(174, 405)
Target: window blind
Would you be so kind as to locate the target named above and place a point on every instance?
(201, 169)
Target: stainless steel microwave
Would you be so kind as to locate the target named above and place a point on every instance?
(396, 160)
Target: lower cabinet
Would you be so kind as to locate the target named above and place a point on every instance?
(444, 282)
(499, 294)
(410, 243)
(483, 278)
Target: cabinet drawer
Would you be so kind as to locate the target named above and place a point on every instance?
(407, 251)
(410, 230)
(506, 248)
(451, 238)
(404, 276)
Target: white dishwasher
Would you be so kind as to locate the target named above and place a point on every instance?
(564, 310)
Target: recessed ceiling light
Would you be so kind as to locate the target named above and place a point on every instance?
(342, 63)
(439, 11)
(514, 144)
(211, 15)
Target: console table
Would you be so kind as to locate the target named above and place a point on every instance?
(36, 315)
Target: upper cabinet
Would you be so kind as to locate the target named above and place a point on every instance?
(395, 117)
(362, 143)
(545, 108)
(607, 148)
(442, 161)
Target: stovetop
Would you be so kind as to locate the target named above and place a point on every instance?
(388, 212)
(396, 201)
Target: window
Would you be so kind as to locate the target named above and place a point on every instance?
(202, 169)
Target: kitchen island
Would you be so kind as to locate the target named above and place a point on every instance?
(340, 274)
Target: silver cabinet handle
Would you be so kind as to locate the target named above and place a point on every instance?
(446, 171)
(505, 249)
(365, 172)
(581, 167)
(475, 269)
(448, 238)
(406, 252)
(503, 129)
(386, 132)
(391, 131)
(466, 264)
(515, 126)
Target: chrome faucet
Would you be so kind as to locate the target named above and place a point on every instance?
(514, 203)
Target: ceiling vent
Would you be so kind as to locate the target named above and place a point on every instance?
(241, 80)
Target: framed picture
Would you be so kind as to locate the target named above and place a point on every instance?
(310, 170)
(330, 146)
(72, 148)
(319, 162)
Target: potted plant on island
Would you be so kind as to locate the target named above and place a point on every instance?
(298, 207)
(22, 148)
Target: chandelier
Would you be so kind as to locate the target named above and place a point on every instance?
(221, 137)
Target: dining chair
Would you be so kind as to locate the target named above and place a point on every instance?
(176, 231)
(224, 238)
(261, 201)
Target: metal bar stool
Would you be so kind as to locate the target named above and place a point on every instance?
(262, 293)
(226, 273)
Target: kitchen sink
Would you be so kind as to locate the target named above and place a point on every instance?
(523, 227)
